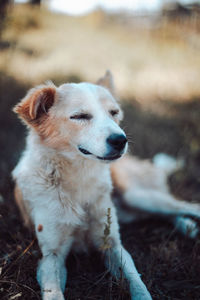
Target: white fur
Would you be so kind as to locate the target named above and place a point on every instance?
(67, 193)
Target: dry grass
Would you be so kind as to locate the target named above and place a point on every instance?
(157, 61)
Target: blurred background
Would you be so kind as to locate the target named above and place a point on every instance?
(152, 48)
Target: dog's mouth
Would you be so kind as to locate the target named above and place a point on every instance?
(104, 158)
(109, 157)
(84, 151)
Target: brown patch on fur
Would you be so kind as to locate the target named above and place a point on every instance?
(50, 132)
(20, 203)
(34, 107)
(33, 110)
(120, 175)
(40, 227)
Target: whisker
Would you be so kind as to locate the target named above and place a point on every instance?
(124, 128)
(130, 140)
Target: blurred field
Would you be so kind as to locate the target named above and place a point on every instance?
(156, 66)
(150, 58)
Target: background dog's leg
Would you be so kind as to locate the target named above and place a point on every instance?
(119, 262)
(160, 203)
(156, 202)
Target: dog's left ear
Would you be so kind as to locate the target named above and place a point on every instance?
(107, 82)
(35, 106)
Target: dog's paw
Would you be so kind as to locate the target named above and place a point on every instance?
(139, 292)
(187, 226)
(141, 295)
(52, 295)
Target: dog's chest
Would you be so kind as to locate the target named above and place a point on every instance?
(84, 184)
(72, 191)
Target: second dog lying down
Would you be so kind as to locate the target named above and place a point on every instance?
(142, 190)
(63, 182)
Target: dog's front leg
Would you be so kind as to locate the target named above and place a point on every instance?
(55, 241)
(52, 275)
(119, 262)
(51, 271)
(106, 237)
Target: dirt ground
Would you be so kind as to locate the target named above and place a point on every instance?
(169, 263)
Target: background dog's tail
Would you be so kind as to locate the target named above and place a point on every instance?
(167, 162)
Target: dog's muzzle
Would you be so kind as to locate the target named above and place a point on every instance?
(116, 144)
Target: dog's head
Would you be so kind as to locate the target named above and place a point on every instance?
(76, 119)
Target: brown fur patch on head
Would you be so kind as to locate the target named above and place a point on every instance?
(35, 111)
(35, 106)
(49, 132)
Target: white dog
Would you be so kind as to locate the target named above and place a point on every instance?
(63, 182)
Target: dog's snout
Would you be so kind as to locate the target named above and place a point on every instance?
(117, 141)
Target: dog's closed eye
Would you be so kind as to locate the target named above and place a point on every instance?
(81, 116)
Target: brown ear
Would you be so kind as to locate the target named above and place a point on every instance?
(107, 82)
(36, 103)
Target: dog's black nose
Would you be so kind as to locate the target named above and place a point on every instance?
(117, 141)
